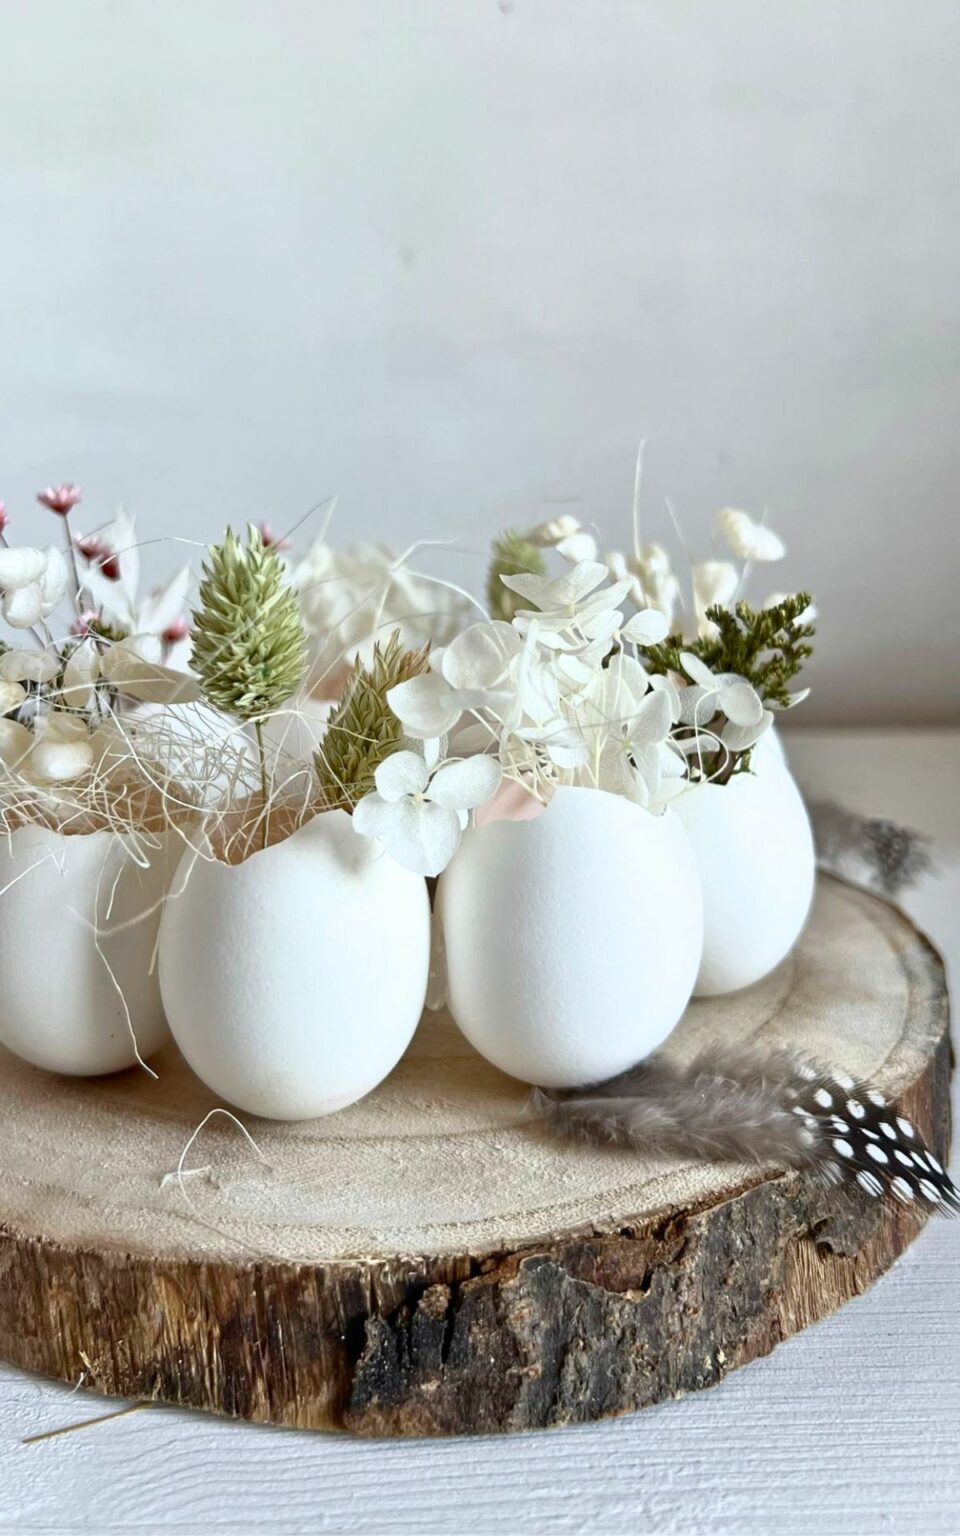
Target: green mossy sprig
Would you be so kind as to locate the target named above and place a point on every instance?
(101, 629)
(767, 646)
(513, 555)
(363, 730)
(249, 646)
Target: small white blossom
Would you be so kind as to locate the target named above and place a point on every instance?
(571, 608)
(648, 627)
(747, 539)
(714, 584)
(481, 657)
(652, 582)
(554, 531)
(725, 693)
(118, 599)
(632, 726)
(579, 547)
(567, 536)
(419, 815)
(427, 706)
(473, 672)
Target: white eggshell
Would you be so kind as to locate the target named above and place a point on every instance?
(60, 1006)
(770, 749)
(294, 981)
(572, 940)
(754, 849)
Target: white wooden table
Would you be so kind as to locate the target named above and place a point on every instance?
(850, 1428)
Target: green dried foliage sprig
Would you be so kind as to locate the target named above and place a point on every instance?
(103, 630)
(513, 555)
(249, 646)
(767, 646)
(363, 729)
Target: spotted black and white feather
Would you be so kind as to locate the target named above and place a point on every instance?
(859, 1132)
(750, 1104)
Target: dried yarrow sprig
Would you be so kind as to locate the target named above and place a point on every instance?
(363, 730)
(766, 646)
(763, 648)
(513, 555)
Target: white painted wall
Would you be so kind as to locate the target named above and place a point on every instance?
(452, 258)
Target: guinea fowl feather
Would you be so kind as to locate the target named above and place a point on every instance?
(746, 1104)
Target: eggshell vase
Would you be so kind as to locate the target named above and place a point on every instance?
(572, 940)
(78, 930)
(294, 981)
(754, 849)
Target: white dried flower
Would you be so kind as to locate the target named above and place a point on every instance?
(725, 693)
(748, 539)
(419, 814)
(554, 531)
(714, 583)
(32, 584)
(350, 598)
(652, 582)
(118, 599)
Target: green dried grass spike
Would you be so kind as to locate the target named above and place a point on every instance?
(249, 646)
(363, 729)
(513, 555)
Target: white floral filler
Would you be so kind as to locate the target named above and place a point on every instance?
(419, 812)
(564, 694)
(91, 679)
(350, 597)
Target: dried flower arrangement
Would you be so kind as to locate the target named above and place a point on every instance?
(78, 750)
(601, 722)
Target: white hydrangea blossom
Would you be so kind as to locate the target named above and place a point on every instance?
(559, 695)
(419, 812)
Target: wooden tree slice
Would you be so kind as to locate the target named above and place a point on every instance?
(428, 1262)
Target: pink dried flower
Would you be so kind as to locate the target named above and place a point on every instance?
(82, 625)
(59, 498)
(3, 517)
(175, 632)
(271, 540)
(99, 554)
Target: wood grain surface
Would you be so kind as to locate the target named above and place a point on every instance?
(851, 1425)
(584, 1284)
